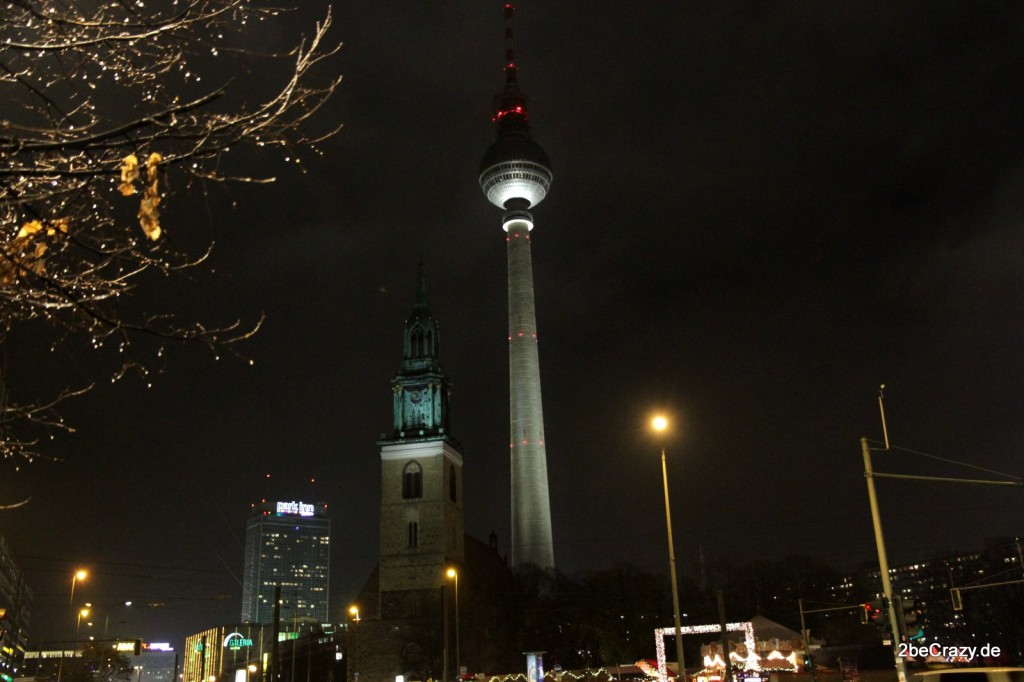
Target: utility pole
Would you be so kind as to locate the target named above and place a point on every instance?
(870, 475)
(883, 562)
(275, 649)
(806, 634)
(725, 637)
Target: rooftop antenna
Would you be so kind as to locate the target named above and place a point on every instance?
(510, 45)
(881, 409)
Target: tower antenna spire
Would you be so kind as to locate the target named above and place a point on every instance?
(510, 45)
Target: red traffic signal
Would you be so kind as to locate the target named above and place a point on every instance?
(873, 612)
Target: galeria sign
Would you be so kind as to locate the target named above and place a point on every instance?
(236, 640)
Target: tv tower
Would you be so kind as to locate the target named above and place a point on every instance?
(515, 174)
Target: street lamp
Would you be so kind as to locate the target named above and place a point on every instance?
(350, 644)
(81, 614)
(80, 574)
(452, 573)
(660, 423)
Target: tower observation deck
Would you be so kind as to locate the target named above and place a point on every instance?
(515, 174)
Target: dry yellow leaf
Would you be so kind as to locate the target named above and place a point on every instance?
(26, 251)
(149, 217)
(129, 174)
(151, 163)
(29, 228)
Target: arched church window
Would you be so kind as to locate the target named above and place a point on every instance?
(416, 341)
(412, 481)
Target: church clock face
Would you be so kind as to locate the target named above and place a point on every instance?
(418, 407)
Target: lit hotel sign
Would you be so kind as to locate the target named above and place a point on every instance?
(299, 508)
(236, 640)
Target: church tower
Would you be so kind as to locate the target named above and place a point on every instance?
(515, 174)
(421, 523)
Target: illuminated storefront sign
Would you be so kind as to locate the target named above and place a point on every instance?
(298, 508)
(236, 640)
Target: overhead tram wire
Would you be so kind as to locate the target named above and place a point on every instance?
(958, 463)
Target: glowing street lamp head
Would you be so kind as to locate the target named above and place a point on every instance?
(451, 573)
(354, 612)
(659, 423)
(81, 574)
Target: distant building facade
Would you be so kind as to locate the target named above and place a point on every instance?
(287, 545)
(16, 608)
(154, 662)
(955, 598)
(157, 662)
(248, 652)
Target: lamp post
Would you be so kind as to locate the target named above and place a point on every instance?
(660, 424)
(80, 574)
(452, 573)
(350, 644)
(83, 613)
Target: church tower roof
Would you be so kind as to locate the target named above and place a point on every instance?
(420, 388)
(422, 335)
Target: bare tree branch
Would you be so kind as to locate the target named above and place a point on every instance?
(103, 105)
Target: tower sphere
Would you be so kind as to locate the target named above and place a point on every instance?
(515, 167)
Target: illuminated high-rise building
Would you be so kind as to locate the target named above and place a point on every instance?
(287, 545)
(16, 605)
(515, 174)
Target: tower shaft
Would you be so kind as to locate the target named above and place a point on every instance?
(531, 509)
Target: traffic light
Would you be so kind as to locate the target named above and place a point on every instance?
(906, 614)
(909, 612)
(873, 612)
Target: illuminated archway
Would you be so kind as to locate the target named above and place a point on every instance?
(661, 633)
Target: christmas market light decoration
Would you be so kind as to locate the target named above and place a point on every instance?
(747, 628)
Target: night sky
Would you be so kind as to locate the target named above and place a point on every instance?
(760, 213)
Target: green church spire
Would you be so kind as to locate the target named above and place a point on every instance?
(420, 388)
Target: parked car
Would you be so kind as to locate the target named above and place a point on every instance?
(969, 675)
